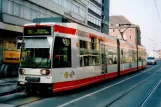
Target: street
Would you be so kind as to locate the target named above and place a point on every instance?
(133, 90)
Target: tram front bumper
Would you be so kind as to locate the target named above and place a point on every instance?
(35, 82)
(36, 86)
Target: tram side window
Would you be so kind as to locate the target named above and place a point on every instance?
(88, 55)
(140, 55)
(133, 55)
(112, 55)
(62, 52)
(124, 55)
(143, 55)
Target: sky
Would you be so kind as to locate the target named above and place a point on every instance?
(144, 14)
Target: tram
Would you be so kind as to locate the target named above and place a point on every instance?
(65, 56)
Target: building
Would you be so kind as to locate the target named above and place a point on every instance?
(105, 16)
(130, 32)
(155, 53)
(15, 13)
(98, 15)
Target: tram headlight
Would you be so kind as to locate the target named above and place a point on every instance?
(21, 71)
(45, 72)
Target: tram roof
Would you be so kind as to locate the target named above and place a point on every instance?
(82, 28)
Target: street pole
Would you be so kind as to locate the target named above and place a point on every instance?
(137, 54)
(124, 30)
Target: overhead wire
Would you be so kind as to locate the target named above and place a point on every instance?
(157, 15)
(124, 22)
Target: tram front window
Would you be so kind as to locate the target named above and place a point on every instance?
(35, 58)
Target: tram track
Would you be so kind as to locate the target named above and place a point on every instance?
(6, 84)
(121, 94)
(131, 89)
(23, 100)
(150, 93)
(19, 101)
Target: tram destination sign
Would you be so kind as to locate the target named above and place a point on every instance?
(45, 30)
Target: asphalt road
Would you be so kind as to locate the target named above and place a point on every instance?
(140, 89)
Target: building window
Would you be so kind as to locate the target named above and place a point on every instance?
(75, 9)
(94, 20)
(35, 14)
(94, 8)
(16, 9)
(27, 13)
(117, 24)
(124, 37)
(130, 36)
(98, 1)
(119, 36)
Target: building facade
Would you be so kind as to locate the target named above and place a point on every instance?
(155, 53)
(105, 16)
(121, 28)
(15, 13)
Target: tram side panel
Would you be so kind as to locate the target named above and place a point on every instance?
(82, 70)
(112, 60)
(141, 57)
(128, 58)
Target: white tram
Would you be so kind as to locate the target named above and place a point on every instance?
(65, 56)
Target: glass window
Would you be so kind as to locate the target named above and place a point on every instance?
(22, 11)
(34, 14)
(89, 5)
(89, 56)
(59, 2)
(65, 4)
(27, 13)
(5, 6)
(80, 11)
(62, 52)
(56, 1)
(89, 17)
(35, 57)
(69, 5)
(96, 22)
(82, 44)
(112, 55)
(10, 7)
(16, 9)
(83, 13)
(75, 9)
(99, 23)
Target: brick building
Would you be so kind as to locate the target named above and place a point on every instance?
(131, 32)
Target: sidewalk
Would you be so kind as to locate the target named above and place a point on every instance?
(8, 86)
(8, 80)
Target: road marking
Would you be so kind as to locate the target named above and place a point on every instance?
(72, 101)
(151, 92)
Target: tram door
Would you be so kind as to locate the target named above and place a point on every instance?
(104, 59)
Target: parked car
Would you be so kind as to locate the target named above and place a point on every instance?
(151, 60)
